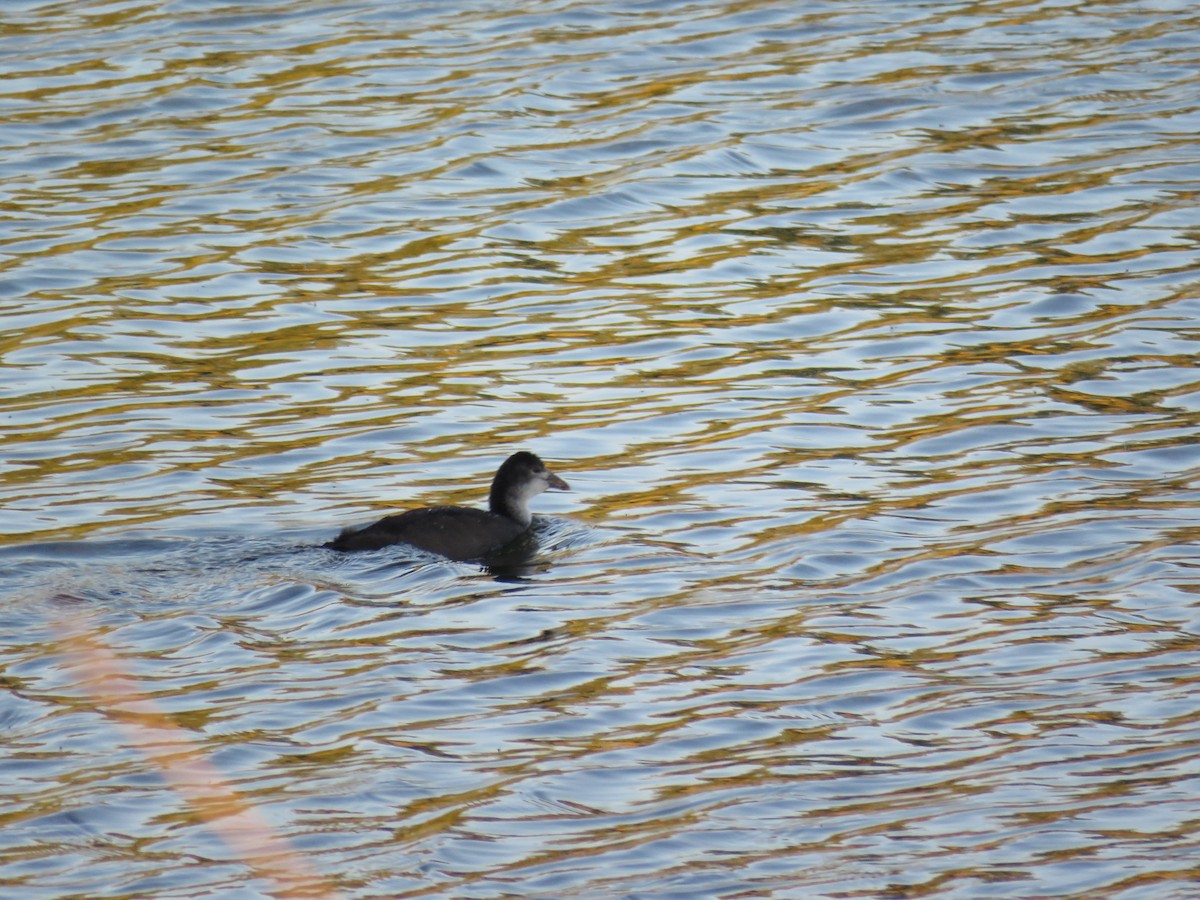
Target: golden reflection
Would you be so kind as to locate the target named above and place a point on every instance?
(878, 374)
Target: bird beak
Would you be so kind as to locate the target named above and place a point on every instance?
(555, 482)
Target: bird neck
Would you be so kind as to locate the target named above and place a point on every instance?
(511, 503)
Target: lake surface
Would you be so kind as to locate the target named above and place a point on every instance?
(866, 334)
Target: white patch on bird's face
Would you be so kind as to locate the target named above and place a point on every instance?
(534, 485)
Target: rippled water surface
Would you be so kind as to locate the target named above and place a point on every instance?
(865, 332)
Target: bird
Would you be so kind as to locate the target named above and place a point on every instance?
(458, 532)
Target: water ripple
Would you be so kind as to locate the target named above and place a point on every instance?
(865, 335)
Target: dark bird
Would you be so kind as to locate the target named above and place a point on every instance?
(459, 532)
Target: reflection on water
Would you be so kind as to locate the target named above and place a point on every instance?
(865, 334)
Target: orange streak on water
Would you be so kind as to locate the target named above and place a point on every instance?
(188, 770)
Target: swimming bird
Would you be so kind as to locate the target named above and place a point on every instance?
(460, 532)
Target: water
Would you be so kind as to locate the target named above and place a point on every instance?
(864, 332)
